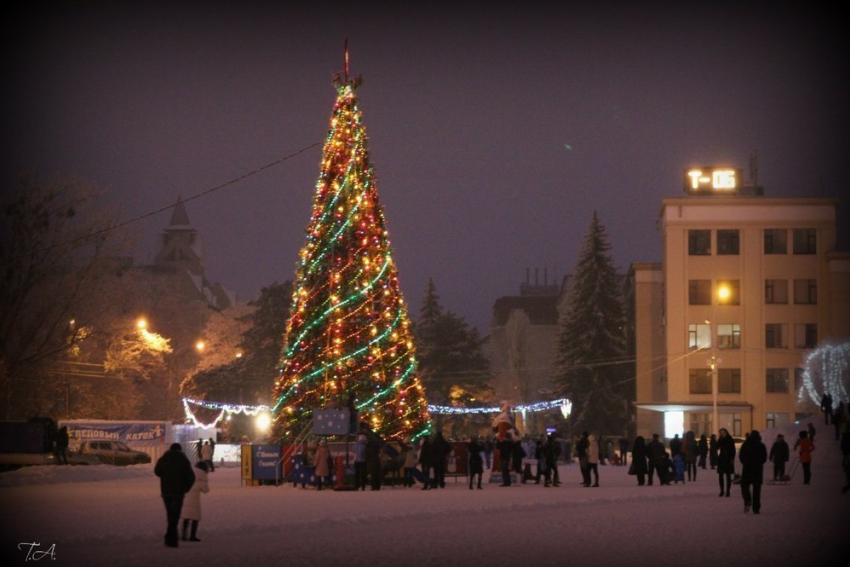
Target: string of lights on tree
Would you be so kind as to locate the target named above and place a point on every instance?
(348, 339)
(562, 404)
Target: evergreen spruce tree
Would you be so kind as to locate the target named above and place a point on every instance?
(591, 350)
(348, 337)
(426, 326)
(453, 366)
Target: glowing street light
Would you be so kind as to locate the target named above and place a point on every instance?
(263, 421)
(141, 323)
(200, 345)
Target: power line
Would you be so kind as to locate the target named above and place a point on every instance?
(162, 209)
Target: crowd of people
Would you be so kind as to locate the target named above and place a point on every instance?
(524, 460)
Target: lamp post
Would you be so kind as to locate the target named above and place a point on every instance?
(722, 295)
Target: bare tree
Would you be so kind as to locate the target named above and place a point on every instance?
(57, 242)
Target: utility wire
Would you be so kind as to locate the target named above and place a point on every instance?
(161, 209)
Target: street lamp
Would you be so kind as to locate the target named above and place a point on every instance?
(722, 295)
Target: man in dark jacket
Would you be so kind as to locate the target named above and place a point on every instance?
(655, 453)
(175, 479)
(505, 447)
(675, 446)
(779, 454)
(581, 451)
(441, 450)
(753, 455)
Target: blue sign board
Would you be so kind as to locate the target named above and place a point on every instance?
(331, 421)
(265, 462)
(130, 432)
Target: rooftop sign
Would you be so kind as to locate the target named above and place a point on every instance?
(712, 180)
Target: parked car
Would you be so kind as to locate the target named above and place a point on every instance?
(77, 458)
(114, 453)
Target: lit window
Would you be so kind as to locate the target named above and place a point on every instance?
(699, 336)
(729, 336)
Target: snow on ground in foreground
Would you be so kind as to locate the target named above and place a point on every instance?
(102, 515)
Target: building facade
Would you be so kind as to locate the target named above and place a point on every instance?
(748, 286)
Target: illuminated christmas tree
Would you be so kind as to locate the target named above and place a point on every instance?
(348, 339)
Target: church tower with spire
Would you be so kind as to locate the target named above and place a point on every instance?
(181, 246)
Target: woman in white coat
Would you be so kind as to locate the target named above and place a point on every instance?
(191, 513)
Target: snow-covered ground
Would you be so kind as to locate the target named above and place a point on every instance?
(101, 515)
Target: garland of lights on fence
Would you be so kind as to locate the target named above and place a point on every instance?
(230, 409)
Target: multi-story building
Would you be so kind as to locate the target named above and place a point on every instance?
(748, 286)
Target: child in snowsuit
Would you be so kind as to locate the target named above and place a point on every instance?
(679, 464)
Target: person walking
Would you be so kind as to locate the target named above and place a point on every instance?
(206, 454)
(581, 450)
(551, 453)
(690, 449)
(506, 448)
(191, 512)
(517, 455)
(725, 460)
(675, 446)
(323, 466)
(409, 461)
(838, 419)
(593, 461)
(488, 451)
(655, 453)
(712, 451)
(779, 455)
(811, 430)
(806, 446)
(638, 466)
(442, 449)
(373, 460)
(212, 454)
(702, 449)
(476, 463)
(61, 452)
(360, 476)
(175, 479)
(426, 460)
(753, 456)
(826, 407)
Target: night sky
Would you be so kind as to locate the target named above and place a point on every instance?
(495, 132)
